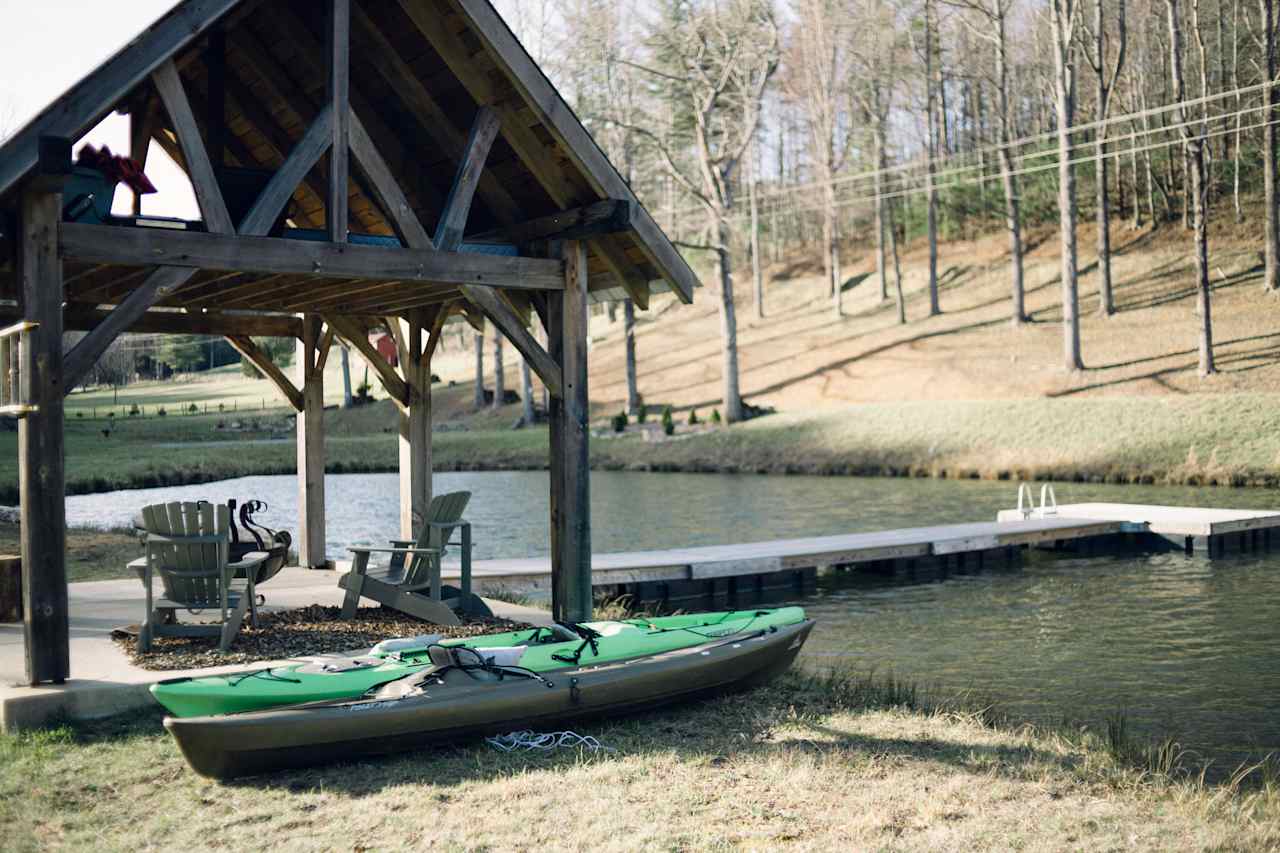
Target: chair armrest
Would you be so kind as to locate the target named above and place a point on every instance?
(139, 563)
(362, 550)
(253, 558)
(402, 543)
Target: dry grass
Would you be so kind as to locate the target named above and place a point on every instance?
(91, 554)
(808, 764)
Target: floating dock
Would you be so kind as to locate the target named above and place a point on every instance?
(714, 575)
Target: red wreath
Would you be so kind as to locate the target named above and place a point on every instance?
(116, 168)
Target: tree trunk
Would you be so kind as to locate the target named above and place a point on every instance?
(1194, 148)
(882, 274)
(499, 383)
(629, 332)
(528, 416)
(1064, 81)
(1137, 203)
(733, 410)
(347, 400)
(897, 268)
(757, 272)
(1012, 215)
(831, 235)
(932, 155)
(1271, 98)
(479, 397)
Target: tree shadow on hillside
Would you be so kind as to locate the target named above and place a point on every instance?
(1238, 361)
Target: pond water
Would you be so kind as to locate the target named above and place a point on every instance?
(1183, 646)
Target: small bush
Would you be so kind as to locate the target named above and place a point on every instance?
(619, 422)
(668, 422)
(79, 414)
(693, 417)
(715, 416)
(193, 408)
(222, 407)
(134, 411)
(643, 414)
(111, 414)
(160, 412)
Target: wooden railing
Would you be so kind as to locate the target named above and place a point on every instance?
(15, 366)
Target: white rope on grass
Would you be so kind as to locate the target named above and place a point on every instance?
(530, 740)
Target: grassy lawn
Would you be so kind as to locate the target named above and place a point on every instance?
(91, 554)
(804, 764)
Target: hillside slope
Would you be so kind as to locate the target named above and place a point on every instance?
(802, 358)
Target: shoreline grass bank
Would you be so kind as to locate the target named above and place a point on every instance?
(1200, 440)
(810, 762)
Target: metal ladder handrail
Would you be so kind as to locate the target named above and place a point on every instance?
(1027, 502)
(15, 363)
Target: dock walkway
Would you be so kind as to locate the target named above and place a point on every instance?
(782, 555)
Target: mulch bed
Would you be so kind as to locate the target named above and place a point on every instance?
(296, 633)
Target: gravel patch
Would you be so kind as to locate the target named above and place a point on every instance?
(294, 633)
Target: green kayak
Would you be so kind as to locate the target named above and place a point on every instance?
(541, 650)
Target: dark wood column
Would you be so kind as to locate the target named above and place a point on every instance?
(570, 468)
(41, 480)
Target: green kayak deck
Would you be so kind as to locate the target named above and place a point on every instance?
(541, 650)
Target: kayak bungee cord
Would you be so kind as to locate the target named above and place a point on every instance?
(265, 674)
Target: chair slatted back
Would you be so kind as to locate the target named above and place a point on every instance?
(191, 572)
(444, 509)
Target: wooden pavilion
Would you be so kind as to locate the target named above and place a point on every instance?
(357, 164)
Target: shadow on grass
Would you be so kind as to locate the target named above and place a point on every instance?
(712, 731)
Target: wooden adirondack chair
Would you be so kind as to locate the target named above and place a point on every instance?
(414, 568)
(188, 546)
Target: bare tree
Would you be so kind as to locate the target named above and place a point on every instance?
(479, 396)
(345, 354)
(1270, 101)
(818, 61)
(995, 13)
(716, 59)
(931, 148)
(1063, 18)
(499, 378)
(629, 331)
(1106, 82)
(1194, 143)
(757, 268)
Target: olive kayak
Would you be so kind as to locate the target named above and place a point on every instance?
(450, 702)
(540, 650)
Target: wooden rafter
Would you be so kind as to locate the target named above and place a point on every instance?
(263, 362)
(385, 187)
(432, 118)
(289, 176)
(199, 166)
(540, 159)
(268, 255)
(453, 219)
(612, 215)
(437, 315)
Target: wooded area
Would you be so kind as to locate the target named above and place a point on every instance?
(854, 125)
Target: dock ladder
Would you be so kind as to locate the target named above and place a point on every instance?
(15, 369)
(1027, 502)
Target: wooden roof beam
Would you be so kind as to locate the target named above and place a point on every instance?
(267, 255)
(609, 216)
(85, 317)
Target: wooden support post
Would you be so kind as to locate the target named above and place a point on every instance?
(311, 551)
(570, 473)
(415, 433)
(41, 483)
(339, 54)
